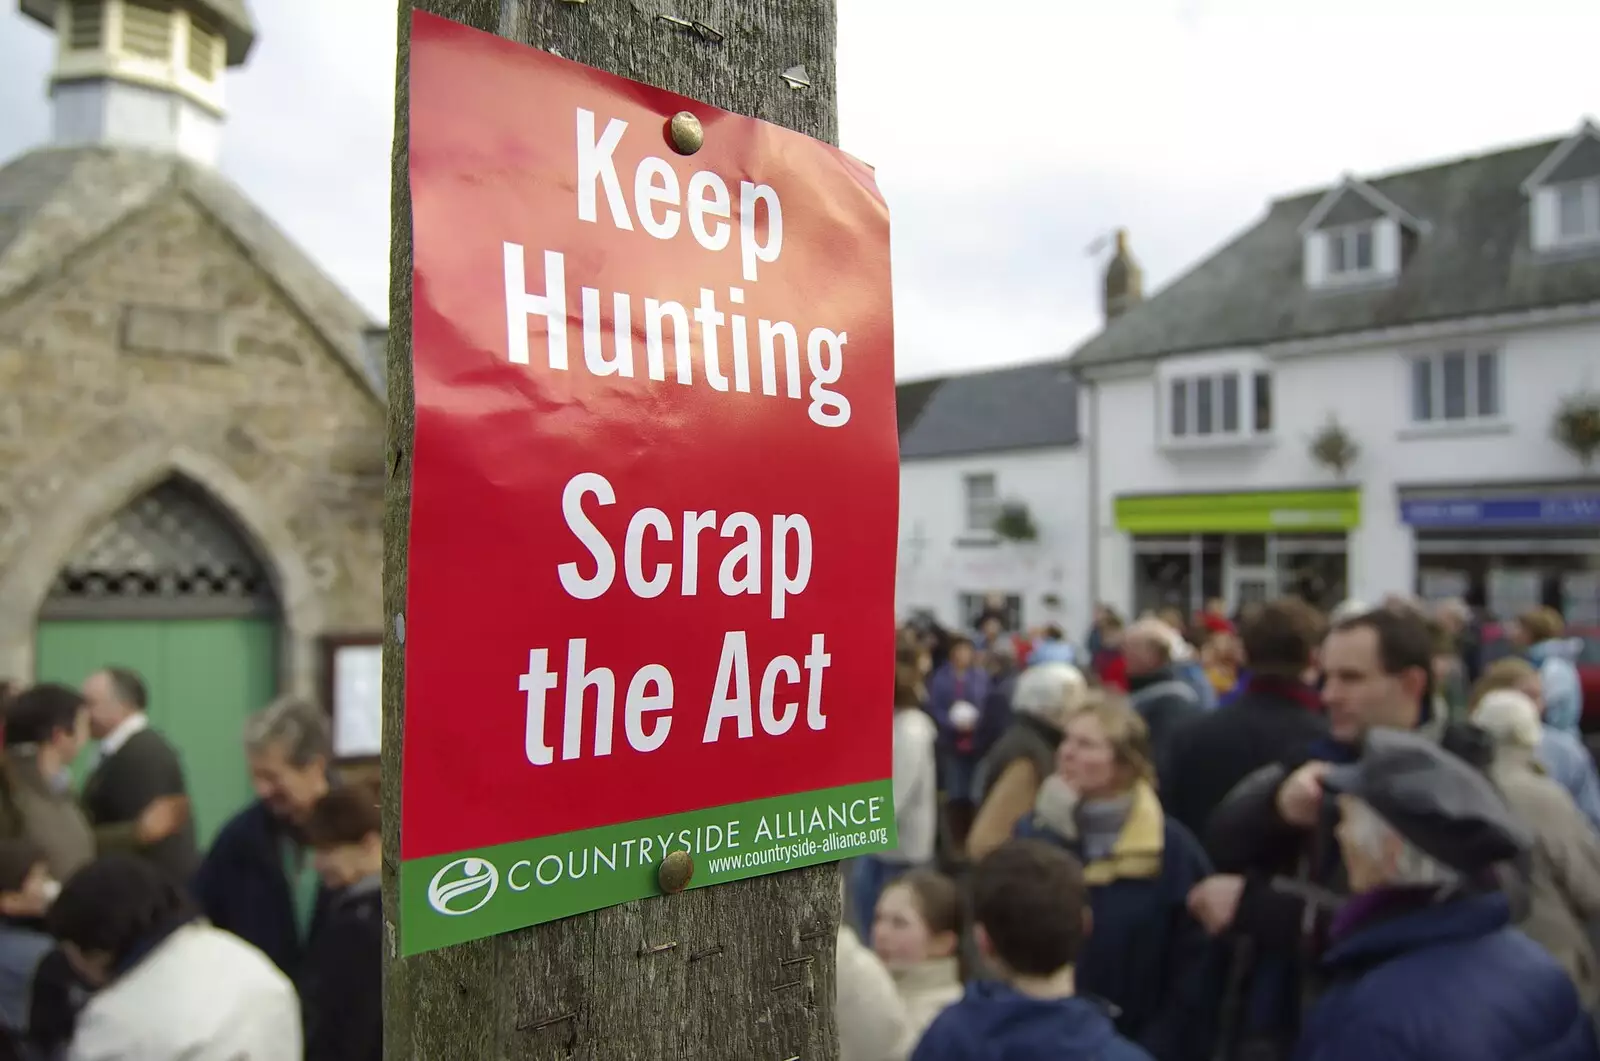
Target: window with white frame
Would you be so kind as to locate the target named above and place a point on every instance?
(1578, 211)
(1230, 403)
(1456, 386)
(1350, 250)
(983, 502)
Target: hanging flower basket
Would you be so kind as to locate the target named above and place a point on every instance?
(1015, 523)
(1332, 447)
(1577, 426)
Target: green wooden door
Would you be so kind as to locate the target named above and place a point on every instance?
(204, 675)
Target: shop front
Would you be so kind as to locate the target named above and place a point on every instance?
(1240, 547)
(1508, 550)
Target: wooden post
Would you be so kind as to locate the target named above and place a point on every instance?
(739, 972)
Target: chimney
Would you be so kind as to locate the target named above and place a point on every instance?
(1124, 280)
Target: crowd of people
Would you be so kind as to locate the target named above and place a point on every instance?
(1275, 836)
(1272, 836)
(120, 940)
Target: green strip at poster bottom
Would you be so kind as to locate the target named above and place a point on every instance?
(467, 895)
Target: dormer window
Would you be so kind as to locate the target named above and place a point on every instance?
(1356, 235)
(1564, 194)
(1350, 250)
(1578, 211)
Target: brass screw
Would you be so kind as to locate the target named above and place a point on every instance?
(686, 134)
(676, 871)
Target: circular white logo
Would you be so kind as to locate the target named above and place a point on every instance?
(463, 887)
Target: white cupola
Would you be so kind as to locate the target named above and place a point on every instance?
(143, 73)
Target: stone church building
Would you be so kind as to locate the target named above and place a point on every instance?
(191, 412)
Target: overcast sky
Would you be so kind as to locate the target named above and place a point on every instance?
(1007, 136)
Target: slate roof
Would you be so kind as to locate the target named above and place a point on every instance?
(1475, 259)
(911, 398)
(1026, 407)
(56, 202)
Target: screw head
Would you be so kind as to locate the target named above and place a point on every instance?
(676, 871)
(686, 133)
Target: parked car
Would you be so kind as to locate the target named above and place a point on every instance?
(1496, 646)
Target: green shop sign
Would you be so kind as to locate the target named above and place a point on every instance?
(1255, 513)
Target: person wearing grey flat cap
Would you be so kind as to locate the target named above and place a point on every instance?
(1422, 962)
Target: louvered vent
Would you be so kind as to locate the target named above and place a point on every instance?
(147, 30)
(86, 25)
(204, 47)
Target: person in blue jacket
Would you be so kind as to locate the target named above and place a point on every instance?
(1539, 634)
(1422, 962)
(1031, 914)
(1053, 647)
(1147, 955)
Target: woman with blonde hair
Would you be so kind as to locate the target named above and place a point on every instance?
(1146, 955)
(1011, 772)
(1563, 756)
(1564, 878)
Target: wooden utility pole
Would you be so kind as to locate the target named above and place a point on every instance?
(739, 972)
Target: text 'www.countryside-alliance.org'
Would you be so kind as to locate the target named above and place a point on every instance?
(840, 845)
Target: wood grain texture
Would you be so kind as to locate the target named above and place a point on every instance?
(740, 972)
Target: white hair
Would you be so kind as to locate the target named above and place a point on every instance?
(298, 726)
(1413, 868)
(1051, 692)
(1162, 636)
(1348, 609)
(1510, 717)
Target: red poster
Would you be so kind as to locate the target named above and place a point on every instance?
(655, 489)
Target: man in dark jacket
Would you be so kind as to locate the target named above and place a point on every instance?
(258, 881)
(1004, 670)
(1277, 715)
(1161, 696)
(136, 798)
(1280, 873)
(1421, 965)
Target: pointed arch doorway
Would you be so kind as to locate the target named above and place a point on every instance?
(171, 587)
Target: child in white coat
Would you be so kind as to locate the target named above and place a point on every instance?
(916, 797)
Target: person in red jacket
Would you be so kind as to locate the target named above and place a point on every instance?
(1108, 661)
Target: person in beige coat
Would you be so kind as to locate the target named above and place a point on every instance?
(1010, 774)
(870, 1015)
(1564, 884)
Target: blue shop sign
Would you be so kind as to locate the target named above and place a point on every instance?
(1558, 510)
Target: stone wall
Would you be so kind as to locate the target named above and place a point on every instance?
(163, 348)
